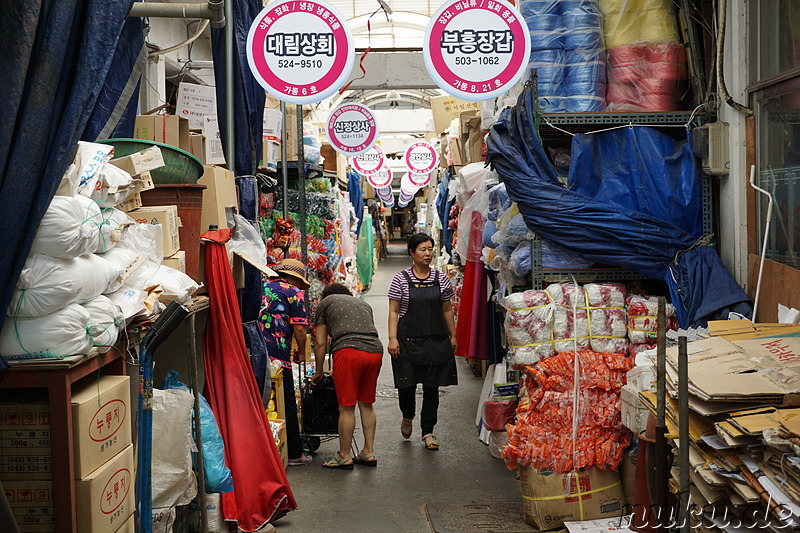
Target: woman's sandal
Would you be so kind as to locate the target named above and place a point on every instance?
(339, 463)
(406, 427)
(365, 459)
(431, 442)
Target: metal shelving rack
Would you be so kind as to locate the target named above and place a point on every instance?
(584, 122)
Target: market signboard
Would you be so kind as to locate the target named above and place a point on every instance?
(300, 51)
(421, 157)
(370, 161)
(352, 129)
(476, 50)
(382, 179)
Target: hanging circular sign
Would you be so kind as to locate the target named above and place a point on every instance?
(407, 187)
(419, 180)
(421, 157)
(381, 179)
(352, 129)
(476, 50)
(370, 161)
(300, 52)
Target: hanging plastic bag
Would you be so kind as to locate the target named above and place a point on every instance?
(217, 475)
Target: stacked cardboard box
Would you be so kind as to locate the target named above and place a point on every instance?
(218, 196)
(168, 129)
(103, 458)
(743, 427)
(167, 216)
(139, 165)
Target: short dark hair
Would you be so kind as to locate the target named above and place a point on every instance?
(415, 240)
(335, 288)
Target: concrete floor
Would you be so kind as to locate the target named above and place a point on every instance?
(390, 497)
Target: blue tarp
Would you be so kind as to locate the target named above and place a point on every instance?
(700, 287)
(354, 191)
(56, 58)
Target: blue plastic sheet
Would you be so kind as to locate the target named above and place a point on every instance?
(354, 190)
(643, 169)
(700, 287)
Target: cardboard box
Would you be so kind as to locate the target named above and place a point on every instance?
(270, 155)
(291, 125)
(101, 422)
(197, 146)
(457, 152)
(167, 216)
(220, 193)
(277, 389)
(446, 108)
(592, 494)
(25, 443)
(140, 162)
(128, 527)
(472, 136)
(106, 497)
(167, 129)
(143, 182)
(176, 261)
(134, 201)
(31, 504)
(281, 443)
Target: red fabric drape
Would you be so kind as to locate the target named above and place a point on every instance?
(473, 315)
(261, 489)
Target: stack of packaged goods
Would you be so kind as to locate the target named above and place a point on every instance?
(642, 313)
(563, 317)
(568, 54)
(647, 65)
(568, 438)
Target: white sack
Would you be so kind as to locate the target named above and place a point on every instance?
(174, 482)
(130, 301)
(176, 285)
(115, 186)
(48, 284)
(82, 175)
(115, 224)
(106, 322)
(144, 240)
(62, 333)
(69, 228)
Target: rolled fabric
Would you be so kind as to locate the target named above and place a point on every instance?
(552, 104)
(583, 30)
(545, 23)
(549, 73)
(578, 6)
(633, 21)
(585, 104)
(547, 40)
(532, 8)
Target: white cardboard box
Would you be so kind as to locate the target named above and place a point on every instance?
(167, 216)
(106, 497)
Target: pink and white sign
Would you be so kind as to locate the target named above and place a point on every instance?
(407, 187)
(352, 129)
(476, 50)
(419, 180)
(300, 51)
(421, 157)
(381, 179)
(370, 161)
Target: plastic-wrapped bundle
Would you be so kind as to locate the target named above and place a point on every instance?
(583, 31)
(547, 32)
(553, 256)
(642, 313)
(542, 436)
(646, 77)
(533, 8)
(498, 201)
(47, 284)
(607, 318)
(635, 21)
(62, 333)
(570, 317)
(489, 230)
(528, 327)
(498, 413)
(585, 81)
(549, 65)
(520, 260)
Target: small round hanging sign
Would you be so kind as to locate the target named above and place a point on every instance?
(352, 129)
(421, 157)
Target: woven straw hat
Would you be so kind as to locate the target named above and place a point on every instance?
(294, 268)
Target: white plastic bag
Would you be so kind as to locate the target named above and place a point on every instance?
(62, 333)
(246, 241)
(176, 285)
(47, 284)
(130, 301)
(69, 228)
(140, 248)
(106, 322)
(174, 482)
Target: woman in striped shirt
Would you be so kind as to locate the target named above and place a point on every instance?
(422, 337)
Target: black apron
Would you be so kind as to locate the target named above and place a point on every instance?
(426, 354)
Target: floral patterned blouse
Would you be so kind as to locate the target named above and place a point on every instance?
(282, 306)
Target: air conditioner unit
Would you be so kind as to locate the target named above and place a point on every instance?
(710, 143)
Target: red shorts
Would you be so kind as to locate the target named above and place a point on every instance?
(355, 374)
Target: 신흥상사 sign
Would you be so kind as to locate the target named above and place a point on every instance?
(370, 161)
(476, 50)
(300, 51)
(352, 129)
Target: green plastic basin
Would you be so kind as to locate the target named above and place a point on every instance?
(180, 167)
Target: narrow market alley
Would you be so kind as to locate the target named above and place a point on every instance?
(392, 497)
